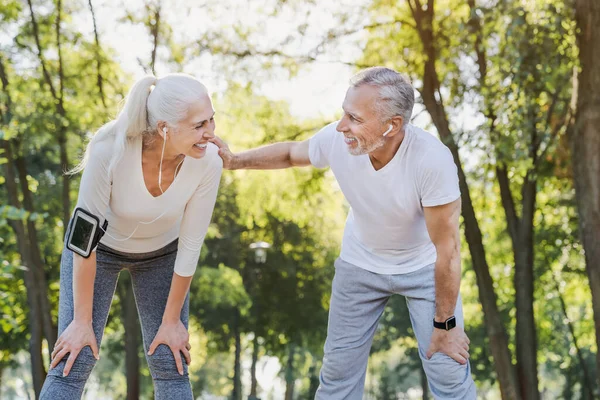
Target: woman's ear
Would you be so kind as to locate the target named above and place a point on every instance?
(162, 129)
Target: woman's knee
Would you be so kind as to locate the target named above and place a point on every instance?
(82, 366)
(162, 364)
(71, 386)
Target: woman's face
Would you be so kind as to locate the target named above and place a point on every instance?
(192, 133)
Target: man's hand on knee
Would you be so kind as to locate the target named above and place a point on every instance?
(453, 343)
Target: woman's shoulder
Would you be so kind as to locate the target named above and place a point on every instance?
(101, 151)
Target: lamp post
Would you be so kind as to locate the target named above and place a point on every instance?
(260, 251)
(260, 257)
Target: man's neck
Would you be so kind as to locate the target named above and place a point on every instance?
(383, 155)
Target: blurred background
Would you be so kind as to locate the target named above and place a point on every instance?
(511, 86)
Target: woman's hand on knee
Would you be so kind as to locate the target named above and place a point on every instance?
(77, 335)
(175, 335)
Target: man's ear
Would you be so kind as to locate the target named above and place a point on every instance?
(397, 124)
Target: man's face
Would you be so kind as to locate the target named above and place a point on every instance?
(361, 125)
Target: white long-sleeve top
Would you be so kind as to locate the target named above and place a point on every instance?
(184, 210)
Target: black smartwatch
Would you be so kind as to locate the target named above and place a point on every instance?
(446, 325)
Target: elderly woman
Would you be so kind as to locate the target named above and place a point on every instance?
(152, 176)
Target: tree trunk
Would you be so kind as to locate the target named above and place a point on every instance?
(38, 265)
(59, 104)
(521, 234)
(526, 336)
(313, 382)
(585, 145)
(35, 320)
(587, 386)
(254, 383)
(424, 385)
(66, 180)
(237, 373)
(495, 329)
(38, 370)
(62, 131)
(132, 331)
(289, 375)
(155, 31)
(1, 373)
(99, 78)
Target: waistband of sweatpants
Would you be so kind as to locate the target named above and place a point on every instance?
(168, 249)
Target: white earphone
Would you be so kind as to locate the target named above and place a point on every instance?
(162, 154)
(390, 127)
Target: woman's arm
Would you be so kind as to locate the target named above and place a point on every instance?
(94, 195)
(179, 288)
(84, 275)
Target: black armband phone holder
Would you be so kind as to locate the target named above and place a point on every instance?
(84, 232)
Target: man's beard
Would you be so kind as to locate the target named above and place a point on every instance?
(367, 148)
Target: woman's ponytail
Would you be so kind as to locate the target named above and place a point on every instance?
(131, 121)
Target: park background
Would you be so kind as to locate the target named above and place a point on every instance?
(512, 87)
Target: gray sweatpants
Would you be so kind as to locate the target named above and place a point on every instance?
(151, 275)
(358, 298)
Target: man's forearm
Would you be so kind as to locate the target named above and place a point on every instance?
(447, 284)
(179, 289)
(273, 156)
(84, 276)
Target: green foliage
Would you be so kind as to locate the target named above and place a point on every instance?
(515, 116)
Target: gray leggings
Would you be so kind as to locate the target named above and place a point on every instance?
(151, 275)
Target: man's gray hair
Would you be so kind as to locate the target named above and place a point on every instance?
(396, 94)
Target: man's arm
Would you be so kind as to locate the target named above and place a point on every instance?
(273, 156)
(443, 227)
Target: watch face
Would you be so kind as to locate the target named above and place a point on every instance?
(450, 323)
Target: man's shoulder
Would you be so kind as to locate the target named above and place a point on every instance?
(426, 143)
(328, 131)
(326, 138)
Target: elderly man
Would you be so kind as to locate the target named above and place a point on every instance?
(401, 236)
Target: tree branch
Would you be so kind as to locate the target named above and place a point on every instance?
(508, 203)
(568, 120)
(154, 30)
(59, 48)
(99, 80)
(4, 79)
(40, 54)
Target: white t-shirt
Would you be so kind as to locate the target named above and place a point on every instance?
(184, 210)
(385, 230)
